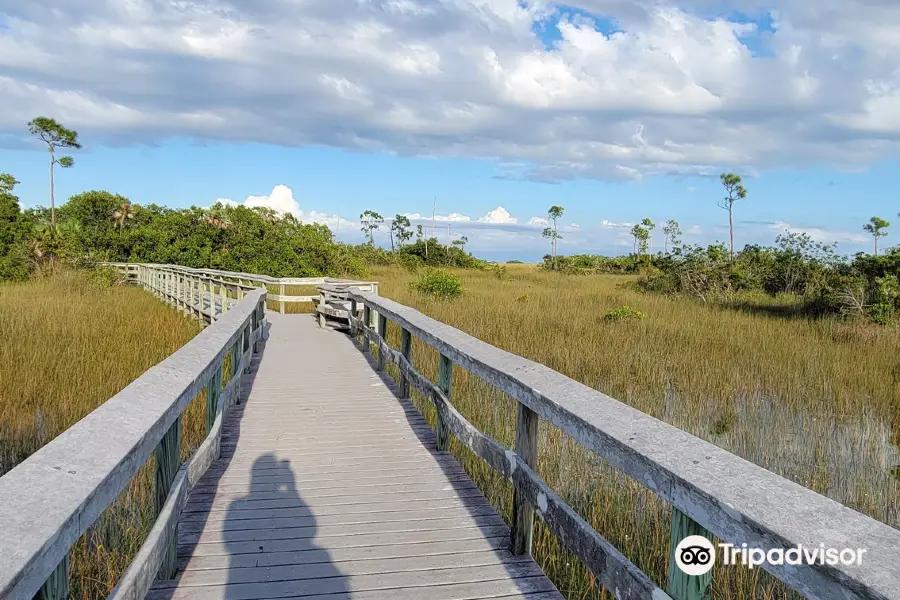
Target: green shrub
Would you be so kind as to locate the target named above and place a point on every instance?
(624, 313)
(439, 283)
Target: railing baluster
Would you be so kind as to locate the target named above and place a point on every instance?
(382, 331)
(406, 351)
(367, 315)
(527, 448)
(445, 382)
(320, 309)
(353, 315)
(281, 300)
(681, 585)
(213, 390)
(223, 293)
(168, 461)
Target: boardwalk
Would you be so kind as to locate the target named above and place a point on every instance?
(329, 485)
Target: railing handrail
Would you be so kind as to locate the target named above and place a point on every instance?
(736, 500)
(55, 495)
(248, 276)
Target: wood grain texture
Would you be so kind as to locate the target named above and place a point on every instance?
(328, 484)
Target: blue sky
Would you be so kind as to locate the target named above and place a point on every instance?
(615, 110)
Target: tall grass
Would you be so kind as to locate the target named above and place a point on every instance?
(815, 401)
(71, 341)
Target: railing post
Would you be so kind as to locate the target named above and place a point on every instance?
(57, 585)
(681, 585)
(367, 315)
(527, 448)
(382, 332)
(212, 301)
(321, 309)
(353, 315)
(223, 293)
(213, 390)
(168, 461)
(406, 351)
(281, 301)
(445, 382)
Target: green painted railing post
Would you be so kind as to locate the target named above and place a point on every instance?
(527, 448)
(382, 331)
(367, 315)
(213, 390)
(445, 383)
(168, 461)
(57, 585)
(406, 351)
(681, 585)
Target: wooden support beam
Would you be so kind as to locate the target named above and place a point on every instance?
(681, 585)
(213, 389)
(57, 585)
(527, 448)
(406, 351)
(445, 383)
(168, 461)
(382, 331)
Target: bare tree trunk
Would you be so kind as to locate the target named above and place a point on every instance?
(52, 203)
(876, 245)
(731, 230)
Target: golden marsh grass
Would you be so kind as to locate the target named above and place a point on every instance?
(71, 345)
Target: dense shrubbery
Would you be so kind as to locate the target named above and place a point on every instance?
(100, 226)
(439, 283)
(820, 280)
(587, 264)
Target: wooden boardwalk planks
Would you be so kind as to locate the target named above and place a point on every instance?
(330, 487)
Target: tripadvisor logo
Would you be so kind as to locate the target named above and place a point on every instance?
(696, 555)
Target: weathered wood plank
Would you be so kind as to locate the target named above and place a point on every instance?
(337, 583)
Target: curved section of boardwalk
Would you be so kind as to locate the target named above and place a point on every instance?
(330, 487)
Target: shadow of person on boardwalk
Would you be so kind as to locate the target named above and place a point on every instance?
(269, 536)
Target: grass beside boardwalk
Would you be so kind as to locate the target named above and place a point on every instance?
(813, 400)
(71, 341)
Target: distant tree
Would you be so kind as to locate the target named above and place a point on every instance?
(735, 191)
(400, 229)
(370, 221)
(555, 213)
(55, 136)
(13, 231)
(461, 243)
(640, 235)
(672, 231)
(649, 226)
(419, 232)
(876, 227)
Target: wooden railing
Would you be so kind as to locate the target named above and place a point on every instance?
(712, 492)
(49, 500)
(211, 283)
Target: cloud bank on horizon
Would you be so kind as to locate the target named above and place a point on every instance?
(608, 89)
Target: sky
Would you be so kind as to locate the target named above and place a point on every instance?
(486, 112)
